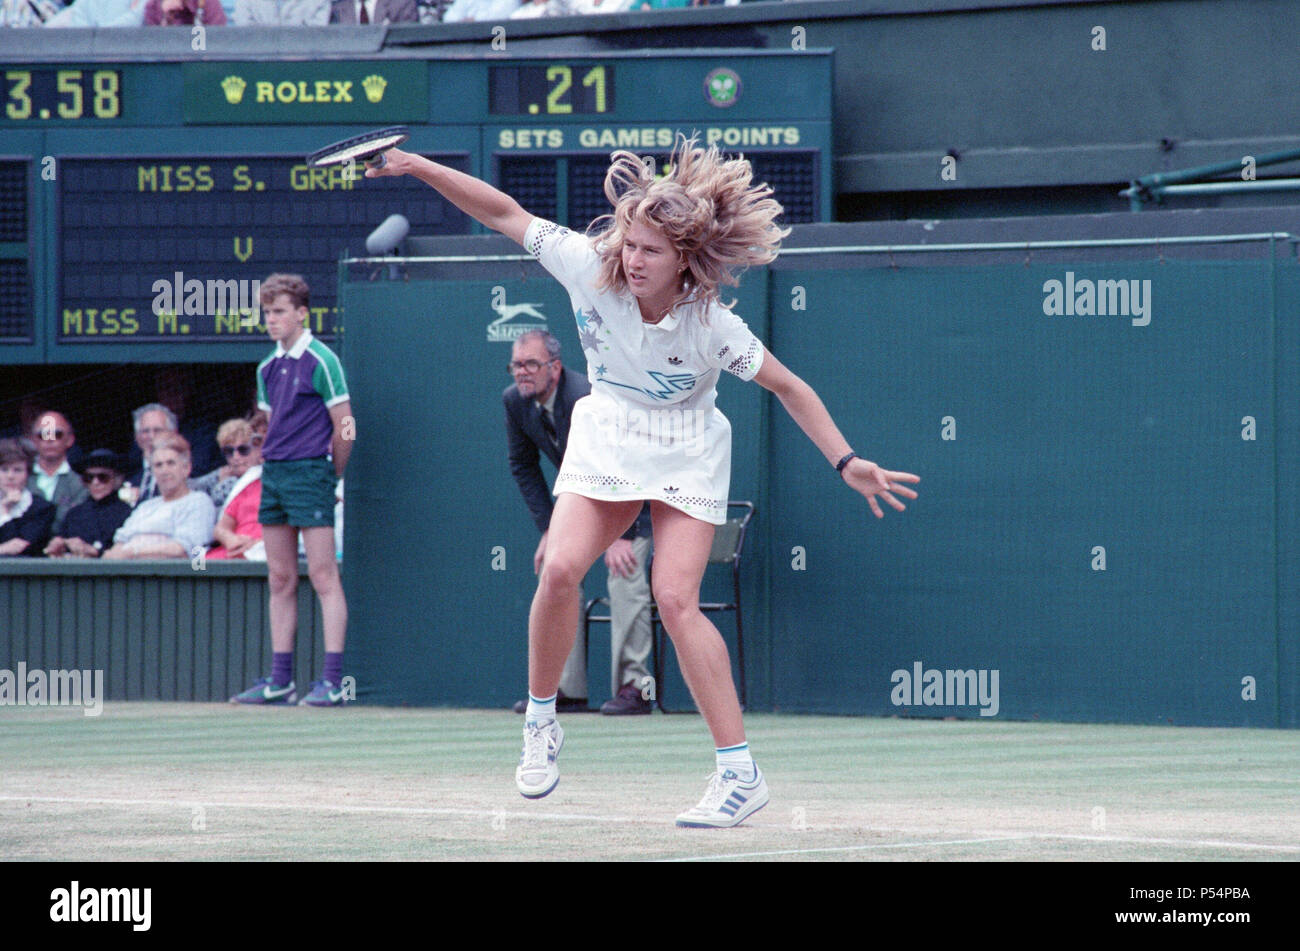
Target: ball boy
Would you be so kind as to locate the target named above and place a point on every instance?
(307, 445)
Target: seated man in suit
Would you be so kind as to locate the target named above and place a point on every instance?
(539, 405)
(52, 477)
(362, 12)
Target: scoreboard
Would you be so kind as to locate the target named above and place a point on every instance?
(141, 202)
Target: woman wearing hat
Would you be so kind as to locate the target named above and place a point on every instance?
(88, 529)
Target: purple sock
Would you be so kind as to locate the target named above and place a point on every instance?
(334, 667)
(282, 668)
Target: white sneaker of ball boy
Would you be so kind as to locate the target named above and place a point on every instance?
(729, 799)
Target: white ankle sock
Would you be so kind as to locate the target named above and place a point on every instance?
(540, 711)
(737, 759)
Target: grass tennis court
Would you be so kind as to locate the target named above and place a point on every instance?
(159, 781)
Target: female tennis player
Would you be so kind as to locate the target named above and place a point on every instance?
(644, 286)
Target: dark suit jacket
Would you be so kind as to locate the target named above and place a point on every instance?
(69, 490)
(33, 525)
(528, 440)
(344, 12)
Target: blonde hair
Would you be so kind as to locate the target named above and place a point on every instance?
(233, 431)
(705, 205)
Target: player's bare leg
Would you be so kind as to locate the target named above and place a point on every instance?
(682, 546)
(580, 531)
(737, 789)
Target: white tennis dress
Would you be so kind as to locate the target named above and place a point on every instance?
(649, 429)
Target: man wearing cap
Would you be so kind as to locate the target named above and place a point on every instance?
(89, 527)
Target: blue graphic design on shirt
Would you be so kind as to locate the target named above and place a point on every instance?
(668, 384)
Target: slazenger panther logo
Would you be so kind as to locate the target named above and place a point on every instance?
(514, 320)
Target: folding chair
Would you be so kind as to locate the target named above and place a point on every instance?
(728, 546)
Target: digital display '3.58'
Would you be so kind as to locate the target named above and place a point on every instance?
(53, 94)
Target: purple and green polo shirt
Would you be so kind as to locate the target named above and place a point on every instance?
(297, 387)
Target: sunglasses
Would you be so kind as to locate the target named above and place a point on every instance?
(243, 449)
(90, 477)
(51, 435)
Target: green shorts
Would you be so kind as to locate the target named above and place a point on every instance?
(298, 492)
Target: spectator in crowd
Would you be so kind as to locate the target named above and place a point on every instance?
(561, 8)
(28, 12)
(354, 12)
(176, 523)
(240, 452)
(471, 11)
(52, 477)
(184, 13)
(282, 12)
(25, 517)
(175, 388)
(153, 422)
(89, 528)
(30, 408)
(260, 422)
(87, 13)
(539, 405)
(238, 533)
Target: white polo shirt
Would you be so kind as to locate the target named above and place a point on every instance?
(650, 428)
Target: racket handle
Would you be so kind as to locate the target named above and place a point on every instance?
(378, 161)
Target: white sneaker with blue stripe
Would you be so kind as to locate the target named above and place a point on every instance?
(728, 801)
(539, 771)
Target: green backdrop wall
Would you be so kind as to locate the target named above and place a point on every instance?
(1045, 443)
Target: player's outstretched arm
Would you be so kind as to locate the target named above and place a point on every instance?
(485, 204)
(806, 408)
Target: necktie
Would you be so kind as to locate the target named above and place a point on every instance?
(365, 18)
(146, 483)
(548, 424)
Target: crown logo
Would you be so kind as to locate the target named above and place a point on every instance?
(233, 87)
(374, 86)
(670, 488)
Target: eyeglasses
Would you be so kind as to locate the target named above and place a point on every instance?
(51, 435)
(90, 477)
(530, 366)
(243, 449)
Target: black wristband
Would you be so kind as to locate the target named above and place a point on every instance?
(839, 466)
